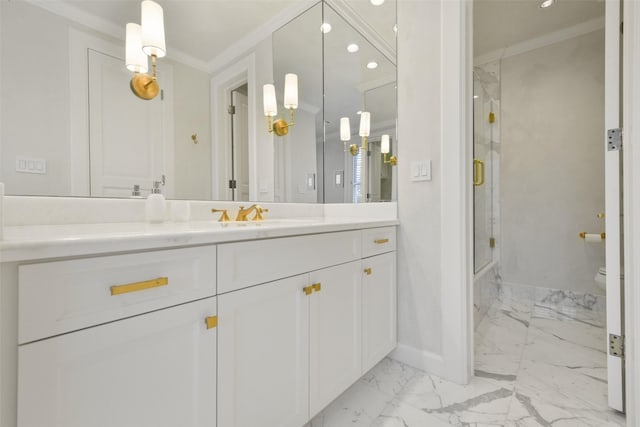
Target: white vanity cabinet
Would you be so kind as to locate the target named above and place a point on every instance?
(378, 308)
(102, 346)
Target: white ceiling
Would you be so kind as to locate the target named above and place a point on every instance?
(502, 23)
(201, 29)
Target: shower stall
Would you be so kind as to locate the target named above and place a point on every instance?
(486, 151)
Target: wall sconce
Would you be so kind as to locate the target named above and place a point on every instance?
(280, 127)
(385, 148)
(145, 40)
(365, 128)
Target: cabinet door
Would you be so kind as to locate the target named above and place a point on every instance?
(263, 358)
(335, 332)
(153, 370)
(378, 308)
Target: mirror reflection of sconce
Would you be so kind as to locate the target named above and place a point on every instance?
(280, 127)
(345, 131)
(146, 39)
(385, 148)
(364, 130)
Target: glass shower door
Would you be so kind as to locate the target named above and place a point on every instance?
(484, 135)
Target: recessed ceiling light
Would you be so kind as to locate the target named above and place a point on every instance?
(376, 2)
(353, 48)
(372, 65)
(325, 27)
(547, 3)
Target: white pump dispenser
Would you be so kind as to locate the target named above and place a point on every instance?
(156, 205)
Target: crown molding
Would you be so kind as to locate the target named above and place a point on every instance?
(108, 28)
(538, 42)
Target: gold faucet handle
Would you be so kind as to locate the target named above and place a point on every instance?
(224, 217)
(259, 211)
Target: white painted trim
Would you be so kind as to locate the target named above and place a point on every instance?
(346, 11)
(425, 360)
(101, 25)
(456, 244)
(542, 41)
(631, 188)
(222, 83)
(244, 45)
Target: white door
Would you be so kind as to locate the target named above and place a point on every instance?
(125, 132)
(378, 308)
(615, 302)
(335, 348)
(153, 370)
(240, 145)
(263, 358)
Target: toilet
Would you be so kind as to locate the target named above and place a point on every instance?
(601, 278)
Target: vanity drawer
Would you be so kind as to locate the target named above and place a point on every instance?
(378, 241)
(62, 296)
(250, 263)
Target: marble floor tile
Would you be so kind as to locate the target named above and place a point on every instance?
(359, 406)
(389, 376)
(398, 414)
(479, 402)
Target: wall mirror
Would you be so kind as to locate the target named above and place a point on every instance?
(70, 126)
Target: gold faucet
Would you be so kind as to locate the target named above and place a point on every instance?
(224, 217)
(244, 213)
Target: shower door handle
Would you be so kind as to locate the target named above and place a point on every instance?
(478, 172)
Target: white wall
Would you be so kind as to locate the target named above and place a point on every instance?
(419, 278)
(35, 98)
(192, 113)
(552, 164)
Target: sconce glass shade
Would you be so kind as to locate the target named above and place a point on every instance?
(135, 58)
(291, 91)
(365, 123)
(345, 129)
(269, 100)
(384, 144)
(152, 23)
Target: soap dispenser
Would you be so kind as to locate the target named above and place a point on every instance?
(156, 205)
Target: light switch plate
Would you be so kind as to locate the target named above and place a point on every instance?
(421, 171)
(31, 165)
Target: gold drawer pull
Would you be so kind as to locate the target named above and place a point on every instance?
(367, 271)
(139, 286)
(308, 290)
(211, 322)
(317, 287)
(381, 241)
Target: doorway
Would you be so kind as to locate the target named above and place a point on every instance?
(239, 143)
(539, 196)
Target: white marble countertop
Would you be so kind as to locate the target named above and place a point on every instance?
(36, 242)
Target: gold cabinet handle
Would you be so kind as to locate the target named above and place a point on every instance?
(381, 241)
(139, 286)
(308, 290)
(478, 172)
(367, 271)
(211, 322)
(317, 287)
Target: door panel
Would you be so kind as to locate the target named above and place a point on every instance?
(240, 146)
(335, 355)
(615, 302)
(125, 132)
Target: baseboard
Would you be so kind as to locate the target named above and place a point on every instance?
(420, 359)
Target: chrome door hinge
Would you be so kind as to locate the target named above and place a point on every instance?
(232, 184)
(614, 139)
(616, 345)
(232, 109)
